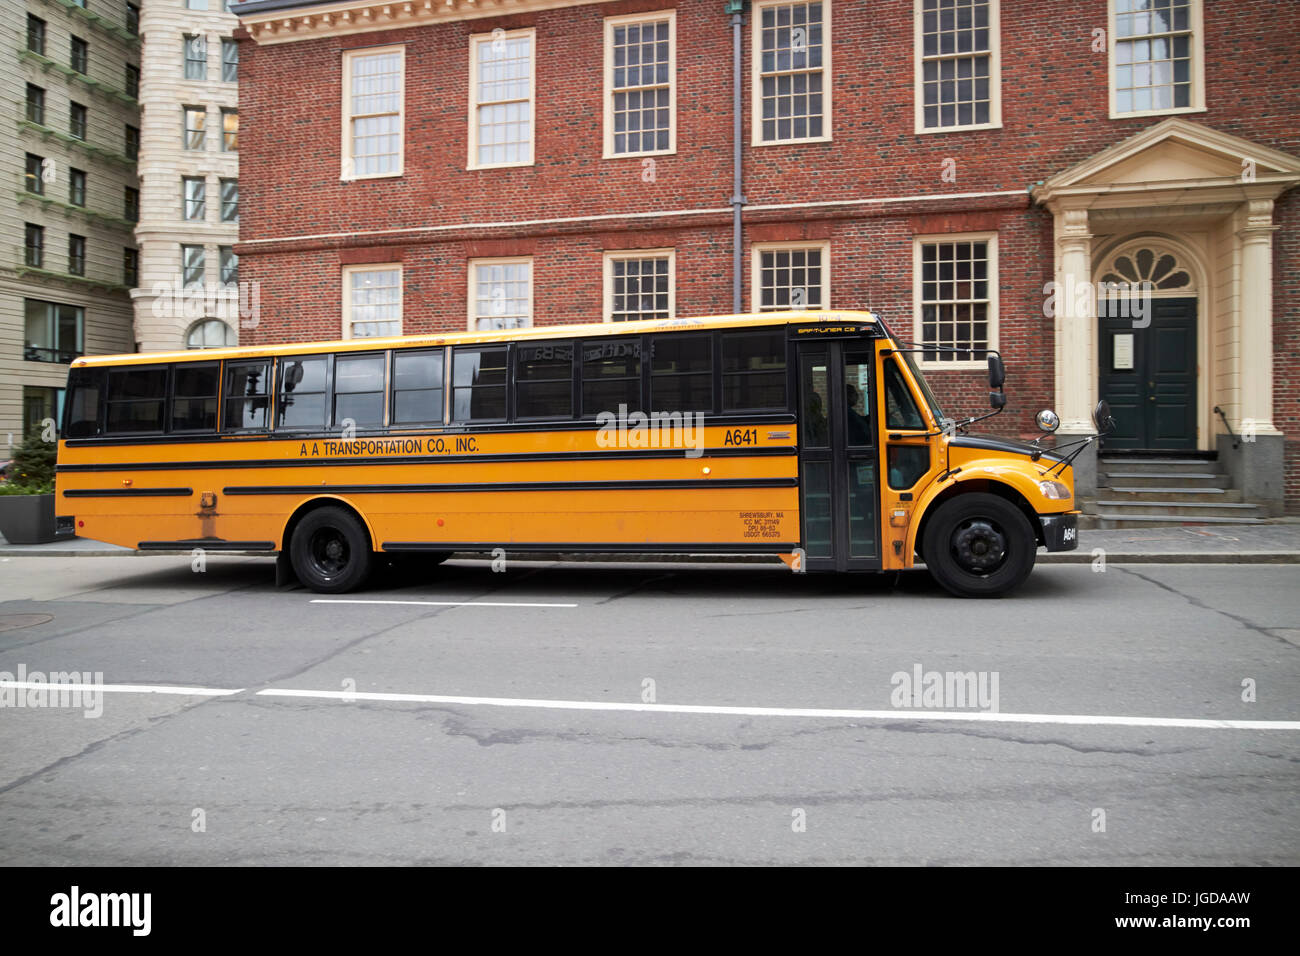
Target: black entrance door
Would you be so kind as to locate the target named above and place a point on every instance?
(1148, 374)
(839, 494)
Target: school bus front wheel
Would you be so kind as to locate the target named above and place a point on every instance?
(979, 545)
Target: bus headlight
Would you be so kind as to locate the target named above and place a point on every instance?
(1053, 489)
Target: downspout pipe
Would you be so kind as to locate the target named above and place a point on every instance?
(737, 10)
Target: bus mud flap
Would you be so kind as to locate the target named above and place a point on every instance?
(285, 579)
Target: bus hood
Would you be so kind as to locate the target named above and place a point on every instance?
(1011, 445)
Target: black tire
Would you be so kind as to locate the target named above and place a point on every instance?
(979, 545)
(330, 551)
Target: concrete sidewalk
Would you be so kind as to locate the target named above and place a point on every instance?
(1185, 544)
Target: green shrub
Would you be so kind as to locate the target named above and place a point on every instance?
(32, 471)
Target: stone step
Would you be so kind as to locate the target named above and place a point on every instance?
(1143, 479)
(1160, 465)
(1173, 494)
(1191, 510)
(1108, 521)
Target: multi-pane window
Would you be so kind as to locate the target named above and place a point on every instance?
(193, 266)
(131, 141)
(196, 4)
(35, 104)
(34, 177)
(1154, 55)
(372, 133)
(229, 61)
(228, 265)
(501, 293)
(77, 255)
(417, 387)
(954, 282)
(77, 120)
(792, 62)
(957, 65)
(35, 34)
(247, 394)
(195, 119)
(133, 19)
(501, 91)
(753, 370)
(53, 332)
(210, 334)
(135, 400)
(132, 81)
(131, 204)
(372, 301)
(130, 267)
(194, 197)
(77, 187)
(78, 54)
(640, 74)
(230, 200)
(544, 380)
(194, 395)
(358, 390)
(303, 384)
(196, 57)
(791, 277)
(638, 286)
(34, 245)
(229, 131)
(478, 384)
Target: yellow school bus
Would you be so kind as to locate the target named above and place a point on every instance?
(811, 436)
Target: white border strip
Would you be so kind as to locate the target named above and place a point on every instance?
(439, 603)
(123, 688)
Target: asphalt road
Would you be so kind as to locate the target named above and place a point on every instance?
(820, 765)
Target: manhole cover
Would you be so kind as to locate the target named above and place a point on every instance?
(11, 622)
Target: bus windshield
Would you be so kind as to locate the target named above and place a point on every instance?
(925, 389)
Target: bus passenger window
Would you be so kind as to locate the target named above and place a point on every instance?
(900, 407)
(907, 465)
(248, 395)
(753, 370)
(301, 403)
(611, 375)
(544, 380)
(417, 387)
(857, 399)
(85, 387)
(359, 390)
(136, 398)
(681, 373)
(478, 392)
(194, 397)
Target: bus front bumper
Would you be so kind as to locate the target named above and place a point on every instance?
(1061, 532)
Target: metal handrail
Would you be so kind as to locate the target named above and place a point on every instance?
(1236, 442)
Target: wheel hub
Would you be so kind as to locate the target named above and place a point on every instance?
(979, 545)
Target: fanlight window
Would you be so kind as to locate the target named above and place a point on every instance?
(1156, 266)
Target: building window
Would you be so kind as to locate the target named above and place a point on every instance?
(228, 265)
(131, 267)
(958, 76)
(131, 142)
(133, 81)
(77, 120)
(35, 104)
(230, 200)
(229, 61)
(196, 57)
(640, 84)
(77, 187)
(1156, 57)
(500, 293)
(210, 334)
(131, 204)
(791, 276)
(133, 19)
(34, 247)
(77, 255)
(195, 128)
(372, 110)
(78, 54)
(639, 285)
(53, 331)
(35, 175)
(229, 131)
(193, 266)
(792, 63)
(372, 301)
(196, 4)
(501, 99)
(40, 404)
(954, 283)
(194, 197)
(36, 34)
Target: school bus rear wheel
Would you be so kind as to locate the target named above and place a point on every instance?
(330, 551)
(979, 545)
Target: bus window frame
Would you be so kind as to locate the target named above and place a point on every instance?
(719, 372)
(171, 398)
(272, 379)
(167, 367)
(451, 371)
(390, 393)
(713, 370)
(512, 381)
(386, 363)
(643, 384)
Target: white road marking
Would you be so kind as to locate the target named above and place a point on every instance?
(440, 603)
(892, 715)
(123, 688)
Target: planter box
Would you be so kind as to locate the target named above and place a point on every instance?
(27, 519)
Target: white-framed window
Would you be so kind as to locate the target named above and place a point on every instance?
(372, 300)
(193, 266)
(501, 293)
(955, 296)
(501, 100)
(640, 284)
(641, 84)
(1157, 57)
(210, 334)
(791, 275)
(958, 65)
(194, 198)
(373, 112)
(791, 72)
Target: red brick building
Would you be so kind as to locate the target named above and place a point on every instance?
(450, 164)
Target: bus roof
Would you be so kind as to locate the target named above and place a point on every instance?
(578, 330)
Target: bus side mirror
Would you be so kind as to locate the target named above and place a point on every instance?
(997, 399)
(997, 371)
(1102, 418)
